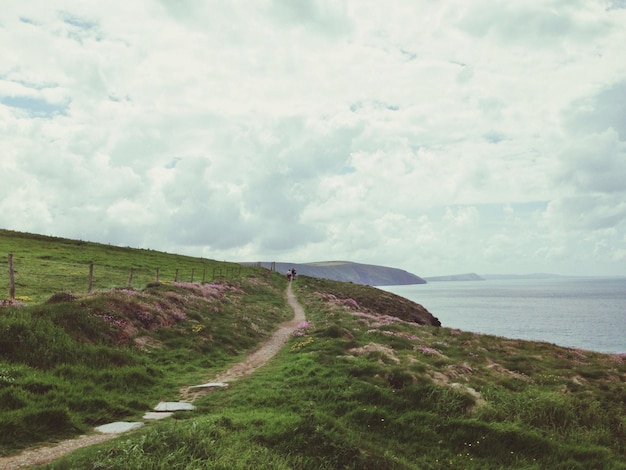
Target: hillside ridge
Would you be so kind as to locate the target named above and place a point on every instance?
(347, 271)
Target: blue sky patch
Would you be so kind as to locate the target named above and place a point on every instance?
(77, 21)
(27, 20)
(347, 169)
(493, 137)
(172, 163)
(35, 107)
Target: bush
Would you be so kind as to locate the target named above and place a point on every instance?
(398, 378)
(61, 297)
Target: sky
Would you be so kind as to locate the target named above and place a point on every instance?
(447, 137)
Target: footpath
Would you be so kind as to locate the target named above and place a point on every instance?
(254, 360)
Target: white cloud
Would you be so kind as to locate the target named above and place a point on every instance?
(595, 163)
(436, 137)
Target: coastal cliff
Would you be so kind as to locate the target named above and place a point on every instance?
(372, 300)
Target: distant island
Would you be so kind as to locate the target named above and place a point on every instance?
(490, 277)
(494, 277)
(346, 271)
(455, 277)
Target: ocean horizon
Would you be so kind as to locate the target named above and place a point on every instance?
(577, 312)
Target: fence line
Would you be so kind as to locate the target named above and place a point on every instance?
(265, 265)
(11, 278)
(111, 276)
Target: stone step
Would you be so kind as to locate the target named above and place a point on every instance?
(155, 415)
(118, 427)
(211, 385)
(174, 406)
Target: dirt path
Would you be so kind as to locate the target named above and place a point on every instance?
(259, 357)
(256, 359)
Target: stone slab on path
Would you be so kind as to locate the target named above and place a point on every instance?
(155, 415)
(211, 385)
(174, 406)
(118, 427)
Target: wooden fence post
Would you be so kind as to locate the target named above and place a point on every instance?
(11, 278)
(90, 278)
(176, 276)
(157, 274)
(130, 278)
(203, 275)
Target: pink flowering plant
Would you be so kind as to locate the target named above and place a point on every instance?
(112, 320)
(426, 350)
(301, 328)
(397, 334)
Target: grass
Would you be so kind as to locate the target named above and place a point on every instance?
(46, 265)
(353, 392)
(68, 366)
(357, 386)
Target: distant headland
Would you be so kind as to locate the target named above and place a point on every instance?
(346, 271)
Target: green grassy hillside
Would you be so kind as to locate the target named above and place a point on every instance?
(45, 265)
(357, 386)
(75, 362)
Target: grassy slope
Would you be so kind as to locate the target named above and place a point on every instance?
(71, 365)
(355, 389)
(73, 360)
(45, 265)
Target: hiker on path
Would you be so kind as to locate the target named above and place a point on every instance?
(289, 274)
(293, 274)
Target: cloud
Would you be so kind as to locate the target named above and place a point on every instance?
(595, 163)
(439, 138)
(588, 212)
(533, 23)
(616, 4)
(329, 17)
(600, 112)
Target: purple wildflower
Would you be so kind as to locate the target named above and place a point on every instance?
(301, 328)
(351, 303)
(177, 315)
(112, 320)
(144, 317)
(426, 350)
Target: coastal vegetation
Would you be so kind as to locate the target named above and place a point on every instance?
(361, 384)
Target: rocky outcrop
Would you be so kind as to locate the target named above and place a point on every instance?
(369, 299)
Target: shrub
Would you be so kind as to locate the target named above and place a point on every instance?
(398, 378)
(61, 297)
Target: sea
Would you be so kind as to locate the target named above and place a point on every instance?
(584, 313)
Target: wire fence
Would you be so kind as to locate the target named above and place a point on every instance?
(36, 280)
